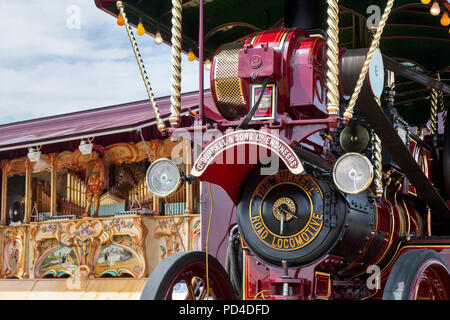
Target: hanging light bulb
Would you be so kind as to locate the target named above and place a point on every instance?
(425, 1)
(120, 20)
(208, 64)
(85, 146)
(445, 19)
(435, 9)
(140, 30)
(191, 55)
(158, 38)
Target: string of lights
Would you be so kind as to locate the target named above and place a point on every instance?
(436, 10)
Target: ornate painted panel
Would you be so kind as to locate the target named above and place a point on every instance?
(13, 248)
(58, 262)
(177, 233)
(113, 246)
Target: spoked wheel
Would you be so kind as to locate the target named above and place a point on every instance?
(182, 276)
(418, 275)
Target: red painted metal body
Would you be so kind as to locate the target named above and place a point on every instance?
(262, 281)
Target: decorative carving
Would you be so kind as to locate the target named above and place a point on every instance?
(16, 167)
(171, 234)
(167, 148)
(44, 163)
(103, 246)
(64, 160)
(13, 252)
(150, 146)
(79, 160)
(121, 153)
(83, 235)
(195, 234)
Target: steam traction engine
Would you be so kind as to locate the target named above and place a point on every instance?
(314, 234)
(335, 195)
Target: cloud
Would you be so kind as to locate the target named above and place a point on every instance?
(47, 68)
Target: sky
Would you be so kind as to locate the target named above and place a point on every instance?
(62, 56)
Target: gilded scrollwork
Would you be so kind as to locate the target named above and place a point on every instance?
(13, 244)
(16, 167)
(113, 246)
(173, 234)
(195, 234)
(147, 147)
(121, 153)
(64, 160)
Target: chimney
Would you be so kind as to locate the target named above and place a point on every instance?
(310, 15)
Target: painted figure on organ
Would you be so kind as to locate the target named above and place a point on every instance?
(95, 180)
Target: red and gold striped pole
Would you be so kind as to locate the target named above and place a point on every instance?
(175, 96)
(333, 57)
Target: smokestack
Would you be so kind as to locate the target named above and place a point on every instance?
(310, 15)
